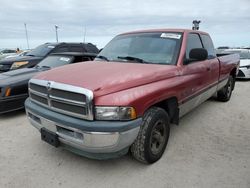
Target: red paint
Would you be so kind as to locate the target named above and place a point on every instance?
(142, 85)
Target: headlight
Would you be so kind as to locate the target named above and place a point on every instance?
(15, 65)
(114, 113)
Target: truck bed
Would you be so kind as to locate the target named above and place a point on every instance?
(227, 62)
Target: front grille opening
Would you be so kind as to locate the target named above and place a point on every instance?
(68, 95)
(38, 88)
(39, 99)
(70, 108)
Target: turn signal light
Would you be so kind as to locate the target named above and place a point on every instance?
(8, 91)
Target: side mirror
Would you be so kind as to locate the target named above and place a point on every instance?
(197, 54)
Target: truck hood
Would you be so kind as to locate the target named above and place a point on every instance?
(108, 77)
(17, 76)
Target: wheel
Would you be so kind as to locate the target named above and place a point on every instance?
(153, 136)
(225, 93)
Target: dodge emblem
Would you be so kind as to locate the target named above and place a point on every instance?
(48, 86)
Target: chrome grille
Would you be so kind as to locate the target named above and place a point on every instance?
(63, 98)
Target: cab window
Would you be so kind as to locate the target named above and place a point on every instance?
(209, 46)
(193, 41)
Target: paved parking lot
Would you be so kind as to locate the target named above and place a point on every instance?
(210, 148)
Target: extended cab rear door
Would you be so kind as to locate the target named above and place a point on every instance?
(197, 71)
(197, 76)
(212, 60)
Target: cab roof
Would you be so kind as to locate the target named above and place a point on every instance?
(165, 30)
(73, 54)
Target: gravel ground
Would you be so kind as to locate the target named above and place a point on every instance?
(210, 148)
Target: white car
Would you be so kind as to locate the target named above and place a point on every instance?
(244, 70)
(6, 52)
(23, 53)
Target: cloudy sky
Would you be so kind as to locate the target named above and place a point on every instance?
(227, 21)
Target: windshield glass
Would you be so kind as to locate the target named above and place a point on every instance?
(41, 50)
(55, 61)
(243, 54)
(156, 48)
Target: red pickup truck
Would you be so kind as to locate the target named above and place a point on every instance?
(138, 85)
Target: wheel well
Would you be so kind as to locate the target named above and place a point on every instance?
(233, 73)
(171, 107)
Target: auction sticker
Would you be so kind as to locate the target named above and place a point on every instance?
(64, 59)
(171, 35)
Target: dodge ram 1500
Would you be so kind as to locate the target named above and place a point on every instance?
(138, 85)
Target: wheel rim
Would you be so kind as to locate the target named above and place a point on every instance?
(158, 137)
(229, 89)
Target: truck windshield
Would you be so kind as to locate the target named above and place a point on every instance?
(54, 61)
(41, 50)
(155, 48)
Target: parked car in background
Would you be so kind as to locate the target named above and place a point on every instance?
(7, 52)
(223, 47)
(14, 84)
(244, 69)
(126, 99)
(23, 53)
(33, 57)
(246, 47)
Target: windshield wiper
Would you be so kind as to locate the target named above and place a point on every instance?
(131, 58)
(47, 67)
(30, 55)
(102, 57)
(39, 67)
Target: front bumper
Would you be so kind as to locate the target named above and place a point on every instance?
(93, 139)
(244, 73)
(12, 103)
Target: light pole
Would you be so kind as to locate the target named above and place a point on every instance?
(84, 34)
(56, 27)
(27, 39)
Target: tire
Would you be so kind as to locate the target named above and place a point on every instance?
(153, 136)
(225, 93)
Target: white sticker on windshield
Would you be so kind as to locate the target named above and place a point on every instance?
(51, 46)
(65, 59)
(171, 35)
